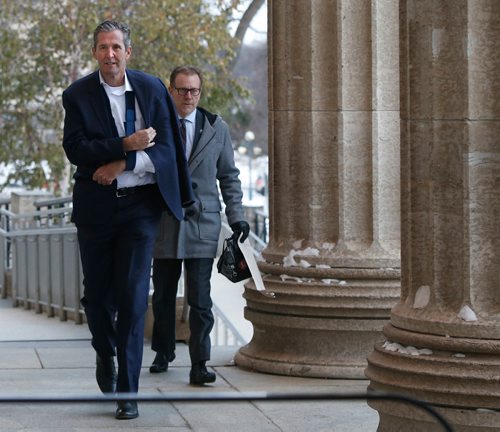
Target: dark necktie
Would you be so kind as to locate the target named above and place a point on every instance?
(182, 127)
(129, 113)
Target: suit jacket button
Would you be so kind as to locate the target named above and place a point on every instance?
(194, 185)
(189, 213)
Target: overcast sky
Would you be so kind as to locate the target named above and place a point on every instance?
(257, 33)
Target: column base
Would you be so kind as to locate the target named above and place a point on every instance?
(397, 417)
(320, 322)
(309, 347)
(463, 384)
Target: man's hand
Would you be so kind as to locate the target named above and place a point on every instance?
(106, 174)
(240, 227)
(139, 140)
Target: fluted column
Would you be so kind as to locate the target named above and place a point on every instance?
(334, 252)
(443, 340)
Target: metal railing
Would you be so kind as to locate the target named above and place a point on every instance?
(40, 250)
(260, 225)
(4, 244)
(45, 262)
(4, 261)
(224, 332)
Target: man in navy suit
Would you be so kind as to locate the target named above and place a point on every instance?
(120, 130)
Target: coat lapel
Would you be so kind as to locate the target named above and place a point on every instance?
(141, 97)
(204, 132)
(99, 102)
(198, 128)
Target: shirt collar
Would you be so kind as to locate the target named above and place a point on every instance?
(118, 91)
(191, 117)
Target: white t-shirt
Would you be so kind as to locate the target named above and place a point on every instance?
(144, 170)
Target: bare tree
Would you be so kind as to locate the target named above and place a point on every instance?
(244, 24)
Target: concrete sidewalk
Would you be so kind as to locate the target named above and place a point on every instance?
(41, 356)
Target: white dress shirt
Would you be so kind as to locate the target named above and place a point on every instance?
(144, 170)
(190, 122)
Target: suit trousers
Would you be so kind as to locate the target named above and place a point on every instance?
(166, 274)
(116, 260)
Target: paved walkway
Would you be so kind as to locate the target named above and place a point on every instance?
(41, 356)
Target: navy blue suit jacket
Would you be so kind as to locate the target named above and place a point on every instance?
(91, 140)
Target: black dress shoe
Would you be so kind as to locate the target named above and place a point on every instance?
(105, 373)
(160, 364)
(199, 374)
(126, 410)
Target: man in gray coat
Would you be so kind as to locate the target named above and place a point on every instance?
(210, 156)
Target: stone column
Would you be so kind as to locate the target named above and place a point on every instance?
(334, 252)
(443, 340)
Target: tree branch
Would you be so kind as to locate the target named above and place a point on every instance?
(244, 24)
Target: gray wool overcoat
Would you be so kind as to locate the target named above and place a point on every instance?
(212, 159)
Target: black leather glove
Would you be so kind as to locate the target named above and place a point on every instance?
(240, 227)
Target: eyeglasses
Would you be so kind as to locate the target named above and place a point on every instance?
(184, 91)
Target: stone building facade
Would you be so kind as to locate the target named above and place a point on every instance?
(384, 132)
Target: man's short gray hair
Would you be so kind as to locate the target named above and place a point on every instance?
(109, 26)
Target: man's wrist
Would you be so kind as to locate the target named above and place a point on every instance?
(126, 144)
